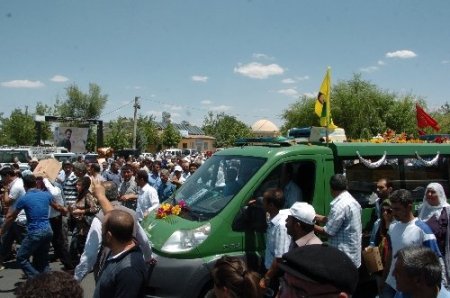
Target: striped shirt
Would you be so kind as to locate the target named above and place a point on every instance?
(344, 226)
(277, 239)
(70, 189)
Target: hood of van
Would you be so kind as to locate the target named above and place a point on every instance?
(159, 230)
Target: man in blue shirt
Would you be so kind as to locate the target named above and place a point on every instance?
(154, 178)
(36, 243)
(166, 188)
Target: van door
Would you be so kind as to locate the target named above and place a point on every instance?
(297, 177)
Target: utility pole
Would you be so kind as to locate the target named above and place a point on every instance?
(136, 107)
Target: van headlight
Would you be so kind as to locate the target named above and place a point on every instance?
(185, 240)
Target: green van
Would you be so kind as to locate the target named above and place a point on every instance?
(219, 221)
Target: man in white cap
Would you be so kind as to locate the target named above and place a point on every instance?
(300, 225)
(177, 178)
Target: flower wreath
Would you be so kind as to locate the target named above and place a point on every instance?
(167, 209)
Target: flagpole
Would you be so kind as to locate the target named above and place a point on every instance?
(328, 100)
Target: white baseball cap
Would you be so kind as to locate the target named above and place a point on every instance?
(303, 212)
(178, 168)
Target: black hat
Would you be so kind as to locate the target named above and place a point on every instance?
(323, 264)
(66, 162)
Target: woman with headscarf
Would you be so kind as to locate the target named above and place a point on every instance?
(435, 211)
(82, 214)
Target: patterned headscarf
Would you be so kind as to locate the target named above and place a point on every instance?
(427, 211)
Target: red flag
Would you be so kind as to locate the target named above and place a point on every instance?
(425, 120)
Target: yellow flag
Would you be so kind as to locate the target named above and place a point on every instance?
(322, 106)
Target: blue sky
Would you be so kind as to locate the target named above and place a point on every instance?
(251, 59)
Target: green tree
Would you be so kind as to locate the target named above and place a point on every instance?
(19, 129)
(442, 116)
(84, 106)
(147, 133)
(361, 108)
(300, 114)
(170, 136)
(120, 134)
(46, 131)
(225, 128)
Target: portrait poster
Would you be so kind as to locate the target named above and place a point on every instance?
(72, 138)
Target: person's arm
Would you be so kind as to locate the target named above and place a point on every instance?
(99, 193)
(58, 207)
(129, 197)
(154, 201)
(91, 249)
(387, 266)
(320, 230)
(321, 219)
(271, 273)
(10, 218)
(144, 243)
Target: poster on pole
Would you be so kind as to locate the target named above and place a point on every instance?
(72, 138)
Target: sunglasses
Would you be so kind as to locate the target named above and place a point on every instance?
(387, 210)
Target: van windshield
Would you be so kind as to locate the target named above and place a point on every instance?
(7, 156)
(215, 184)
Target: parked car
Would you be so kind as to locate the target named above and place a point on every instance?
(188, 151)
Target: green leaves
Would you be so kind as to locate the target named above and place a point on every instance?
(225, 128)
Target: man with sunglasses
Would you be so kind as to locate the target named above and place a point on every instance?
(317, 270)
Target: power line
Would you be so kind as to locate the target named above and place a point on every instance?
(203, 109)
(115, 110)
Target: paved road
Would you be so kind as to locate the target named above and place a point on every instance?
(12, 276)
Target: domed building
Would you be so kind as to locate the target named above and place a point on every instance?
(265, 128)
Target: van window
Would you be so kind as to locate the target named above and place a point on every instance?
(301, 173)
(7, 156)
(407, 173)
(215, 184)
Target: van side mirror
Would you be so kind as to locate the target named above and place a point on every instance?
(250, 218)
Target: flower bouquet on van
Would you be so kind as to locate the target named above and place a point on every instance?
(167, 209)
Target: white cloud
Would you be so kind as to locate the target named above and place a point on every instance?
(445, 61)
(257, 70)
(206, 102)
(175, 115)
(381, 62)
(288, 81)
(172, 107)
(289, 92)
(23, 84)
(261, 56)
(202, 79)
(59, 79)
(369, 69)
(153, 112)
(221, 108)
(310, 94)
(403, 54)
(304, 78)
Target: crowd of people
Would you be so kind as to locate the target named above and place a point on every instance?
(99, 207)
(90, 215)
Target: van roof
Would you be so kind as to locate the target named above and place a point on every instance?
(398, 149)
(269, 150)
(340, 149)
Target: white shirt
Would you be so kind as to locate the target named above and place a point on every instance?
(147, 201)
(16, 190)
(57, 197)
(93, 245)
